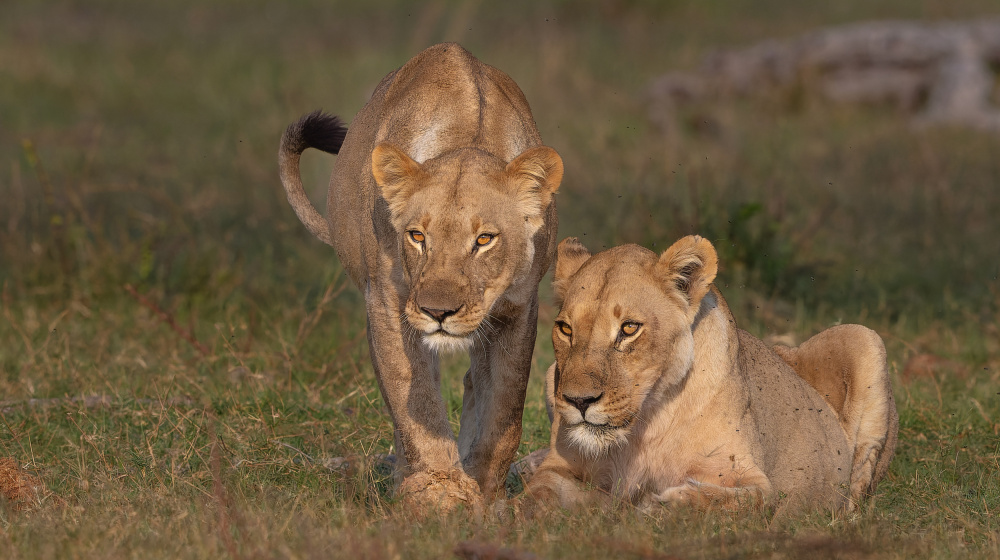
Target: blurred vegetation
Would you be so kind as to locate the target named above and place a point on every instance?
(152, 137)
(138, 147)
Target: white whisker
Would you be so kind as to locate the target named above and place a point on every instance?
(499, 341)
(497, 335)
(488, 324)
(482, 338)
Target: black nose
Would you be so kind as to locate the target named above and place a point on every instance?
(438, 315)
(582, 403)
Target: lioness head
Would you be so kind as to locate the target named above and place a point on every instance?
(624, 334)
(466, 222)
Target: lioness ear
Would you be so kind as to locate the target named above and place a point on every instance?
(689, 266)
(535, 176)
(397, 175)
(570, 256)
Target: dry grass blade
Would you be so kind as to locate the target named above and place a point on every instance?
(92, 401)
(472, 550)
(5, 300)
(223, 503)
(167, 318)
(310, 321)
(57, 220)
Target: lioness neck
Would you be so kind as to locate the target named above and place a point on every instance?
(715, 350)
(684, 407)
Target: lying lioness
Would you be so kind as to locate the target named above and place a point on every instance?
(441, 209)
(659, 397)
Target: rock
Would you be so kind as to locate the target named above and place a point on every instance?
(941, 73)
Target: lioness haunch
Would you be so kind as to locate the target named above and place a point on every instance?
(441, 210)
(659, 397)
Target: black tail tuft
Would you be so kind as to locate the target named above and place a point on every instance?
(319, 130)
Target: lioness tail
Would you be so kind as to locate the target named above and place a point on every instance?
(319, 130)
(316, 130)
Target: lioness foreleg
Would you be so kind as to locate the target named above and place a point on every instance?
(702, 494)
(408, 376)
(493, 401)
(555, 485)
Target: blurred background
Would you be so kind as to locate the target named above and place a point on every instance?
(139, 147)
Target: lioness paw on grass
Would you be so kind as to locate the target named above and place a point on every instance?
(657, 396)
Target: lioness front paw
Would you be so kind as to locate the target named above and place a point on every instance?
(536, 500)
(681, 494)
(703, 494)
(440, 492)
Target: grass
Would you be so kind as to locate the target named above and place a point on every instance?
(138, 149)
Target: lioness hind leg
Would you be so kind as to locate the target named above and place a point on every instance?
(846, 364)
(493, 402)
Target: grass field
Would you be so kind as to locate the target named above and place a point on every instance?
(138, 188)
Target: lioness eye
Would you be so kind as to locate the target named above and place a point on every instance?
(629, 328)
(484, 239)
(416, 236)
(566, 330)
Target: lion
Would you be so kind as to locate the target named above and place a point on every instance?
(657, 397)
(441, 209)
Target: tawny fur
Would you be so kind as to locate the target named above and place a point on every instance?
(441, 208)
(657, 396)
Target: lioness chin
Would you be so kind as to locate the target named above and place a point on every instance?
(441, 208)
(657, 396)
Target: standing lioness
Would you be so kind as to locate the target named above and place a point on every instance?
(441, 209)
(659, 397)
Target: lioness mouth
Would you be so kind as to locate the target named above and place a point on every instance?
(444, 332)
(606, 428)
(600, 427)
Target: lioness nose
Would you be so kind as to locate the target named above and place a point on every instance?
(582, 403)
(438, 315)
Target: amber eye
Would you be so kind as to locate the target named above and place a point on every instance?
(565, 329)
(416, 236)
(484, 239)
(629, 328)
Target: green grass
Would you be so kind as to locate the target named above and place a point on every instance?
(150, 161)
